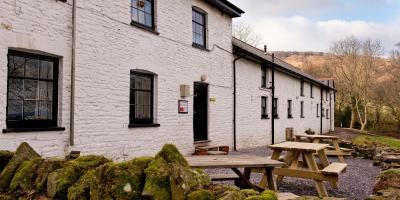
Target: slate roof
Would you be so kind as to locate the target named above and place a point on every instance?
(253, 53)
(226, 7)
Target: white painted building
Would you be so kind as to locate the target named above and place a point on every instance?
(145, 73)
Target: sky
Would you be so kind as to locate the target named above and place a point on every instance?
(312, 25)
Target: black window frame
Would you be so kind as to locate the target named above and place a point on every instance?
(275, 111)
(327, 114)
(290, 108)
(302, 88)
(133, 122)
(37, 123)
(204, 15)
(311, 90)
(151, 28)
(302, 109)
(264, 76)
(264, 107)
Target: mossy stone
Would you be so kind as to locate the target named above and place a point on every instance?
(26, 175)
(232, 195)
(266, 195)
(23, 153)
(112, 181)
(220, 190)
(249, 192)
(389, 174)
(5, 157)
(157, 183)
(201, 195)
(65, 177)
(171, 154)
(48, 166)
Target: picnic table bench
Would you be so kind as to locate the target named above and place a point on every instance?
(234, 162)
(308, 168)
(334, 150)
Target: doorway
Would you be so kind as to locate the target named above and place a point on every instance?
(200, 112)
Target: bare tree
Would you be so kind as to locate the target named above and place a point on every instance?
(245, 32)
(355, 68)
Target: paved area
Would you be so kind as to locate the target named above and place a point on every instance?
(356, 183)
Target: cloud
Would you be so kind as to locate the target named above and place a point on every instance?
(302, 34)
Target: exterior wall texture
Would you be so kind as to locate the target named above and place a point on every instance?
(108, 47)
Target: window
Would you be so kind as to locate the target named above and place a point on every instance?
(326, 94)
(199, 28)
(32, 96)
(311, 90)
(302, 88)
(264, 76)
(275, 108)
(327, 113)
(290, 109)
(322, 111)
(302, 109)
(141, 98)
(143, 13)
(264, 113)
(317, 110)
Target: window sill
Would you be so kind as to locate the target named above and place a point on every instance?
(26, 130)
(264, 117)
(148, 29)
(143, 125)
(276, 117)
(264, 88)
(200, 47)
(290, 117)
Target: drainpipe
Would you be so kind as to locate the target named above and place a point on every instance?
(234, 102)
(72, 101)
(322, 109)
(330, 112)
(272, 100)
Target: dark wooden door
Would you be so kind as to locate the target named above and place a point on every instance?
(200, 112)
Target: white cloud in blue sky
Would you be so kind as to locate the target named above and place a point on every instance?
(311, 25)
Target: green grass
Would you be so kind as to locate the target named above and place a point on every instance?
(369, 139)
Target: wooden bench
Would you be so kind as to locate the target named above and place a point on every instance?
(224, 177)
(334, 169)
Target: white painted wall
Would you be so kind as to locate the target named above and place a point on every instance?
(108, 47)
(254, 131)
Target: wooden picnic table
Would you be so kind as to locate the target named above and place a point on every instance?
(336, 150)
(235, 162)
(308, 167)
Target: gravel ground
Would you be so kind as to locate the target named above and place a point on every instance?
(355, 184)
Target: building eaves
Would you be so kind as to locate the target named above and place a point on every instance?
(241, 48)
(226, 7)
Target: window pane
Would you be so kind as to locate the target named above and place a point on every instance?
(134, 14)
(46, 70)
(32, 68)
(15, 88)
(149, 20)
(143, 112)
(134, 3)
(30, 89)
(142, 98)
(16, 66)
(14, 110)
(45, 110)
(142, 82)
(147, 7)
(30, 110)
(45, 90)
(141, 17)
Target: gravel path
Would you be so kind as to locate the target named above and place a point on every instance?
(355, 184)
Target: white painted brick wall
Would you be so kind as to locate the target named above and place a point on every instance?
(108, 47)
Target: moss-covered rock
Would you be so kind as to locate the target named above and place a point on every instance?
(60, 180)
(112, 181)
(24, 153)
(220, 190)
(389, 174)
(8, 197)
(26, 175)
(201, 195)
(266, 195)
(388, 180)
(48, 166)
(157, 183)
(171, 154)
(249, 192)
(232, 195)
(5, 157)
